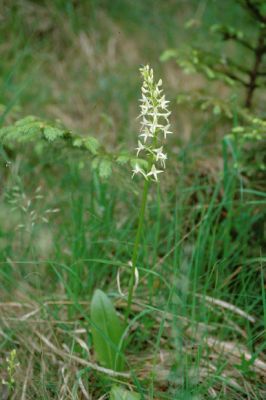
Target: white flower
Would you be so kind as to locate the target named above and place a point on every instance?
(166, 131)
(154, 126)
(146, 134)
(163, 103)
(140, 147)
(138, 170)
(160, 156)
(154, 172)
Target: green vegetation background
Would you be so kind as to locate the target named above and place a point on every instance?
(64, 231)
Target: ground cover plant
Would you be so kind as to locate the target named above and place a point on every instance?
(127, 273)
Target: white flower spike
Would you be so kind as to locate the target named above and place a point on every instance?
(154, 125)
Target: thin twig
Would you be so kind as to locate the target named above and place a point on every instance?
(253, 76)
(25, 384)
(227, 306)
(81, 361)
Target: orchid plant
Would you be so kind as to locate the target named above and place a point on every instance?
(154, 129)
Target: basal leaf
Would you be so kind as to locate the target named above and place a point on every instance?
(119, 393)
(107, 332)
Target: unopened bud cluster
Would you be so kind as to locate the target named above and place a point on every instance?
(154, 126)
(12, 365)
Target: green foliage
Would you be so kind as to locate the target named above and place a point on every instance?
(245, 367)
(228, 32)
(105, 168)
(107, 332)
(219, 63)
(42, 133)
(119, 393)
(224, 67)
(195, 60)
(123, 158)
(251, 138)
(253, 130)
(204, 101)
(33, 129)
(204, 231)
(89, 143)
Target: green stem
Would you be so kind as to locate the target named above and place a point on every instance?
(136, 246)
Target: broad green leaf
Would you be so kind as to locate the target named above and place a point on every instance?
(107, 332)
(119, 393)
